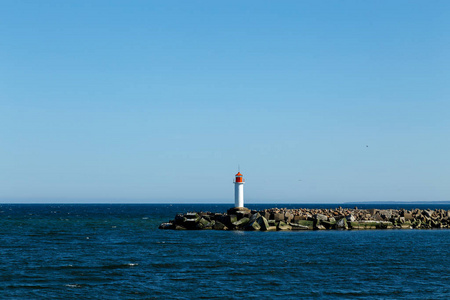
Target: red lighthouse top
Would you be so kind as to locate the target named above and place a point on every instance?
(239, 177)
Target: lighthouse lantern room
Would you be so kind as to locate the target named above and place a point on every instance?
(239, 190)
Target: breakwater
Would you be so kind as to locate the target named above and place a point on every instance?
(241, 218)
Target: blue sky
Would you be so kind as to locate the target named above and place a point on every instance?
(159, 101)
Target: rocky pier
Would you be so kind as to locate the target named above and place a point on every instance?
(274, 219)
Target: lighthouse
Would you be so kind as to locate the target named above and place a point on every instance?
(239, 190)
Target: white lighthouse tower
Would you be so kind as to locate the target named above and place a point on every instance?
(239, 190)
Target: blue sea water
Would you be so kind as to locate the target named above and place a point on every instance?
(117, 252)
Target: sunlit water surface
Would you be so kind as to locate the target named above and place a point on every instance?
(117, 252)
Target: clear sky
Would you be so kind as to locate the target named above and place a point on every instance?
(159, 101)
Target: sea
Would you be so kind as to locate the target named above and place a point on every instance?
(116, 251)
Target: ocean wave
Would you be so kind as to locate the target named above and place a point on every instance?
(120, 266)
(76, 286)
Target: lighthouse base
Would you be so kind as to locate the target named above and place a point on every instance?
(235, 210)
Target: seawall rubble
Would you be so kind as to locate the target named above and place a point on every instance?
(241, 218)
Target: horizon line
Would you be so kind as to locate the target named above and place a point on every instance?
(230, 203)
